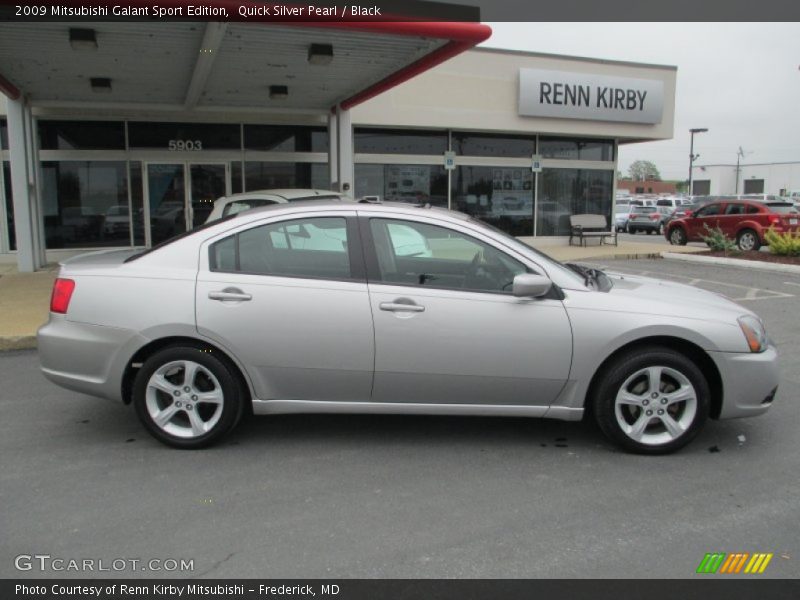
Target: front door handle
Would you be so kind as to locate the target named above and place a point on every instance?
(229, 294)
(398, 307)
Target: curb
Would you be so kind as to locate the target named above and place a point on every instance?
(17, 342)
(733, 262)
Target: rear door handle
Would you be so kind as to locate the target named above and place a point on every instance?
(230, 294)
(397, 307)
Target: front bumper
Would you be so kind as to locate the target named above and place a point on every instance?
(749, 381)
(86, 358)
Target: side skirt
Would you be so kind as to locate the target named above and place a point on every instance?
(276, 407)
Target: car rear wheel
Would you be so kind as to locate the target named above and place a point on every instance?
(649, 232)
(186, 397)
(652, 401)
(677, 236)
(748, 240)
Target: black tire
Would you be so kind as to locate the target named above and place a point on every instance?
(632, 231)
(232, 402)
(677, 236)
(649, 232)
(747, 240)
(604, 401)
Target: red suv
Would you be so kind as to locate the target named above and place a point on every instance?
(740, 220)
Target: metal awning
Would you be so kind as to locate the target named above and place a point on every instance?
(199, 66)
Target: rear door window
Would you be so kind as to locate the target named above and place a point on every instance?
(311, 248)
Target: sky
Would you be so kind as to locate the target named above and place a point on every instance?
(740, 80)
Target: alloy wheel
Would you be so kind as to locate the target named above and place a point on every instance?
(184, 399)
(655, 405)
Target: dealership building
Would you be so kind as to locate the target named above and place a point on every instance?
(122, 134)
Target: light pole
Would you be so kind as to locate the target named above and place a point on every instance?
(692, 155)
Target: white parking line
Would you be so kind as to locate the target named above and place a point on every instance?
(791, 283)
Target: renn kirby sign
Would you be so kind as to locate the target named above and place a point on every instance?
(570, 95)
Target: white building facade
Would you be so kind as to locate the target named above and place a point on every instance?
(780, 178)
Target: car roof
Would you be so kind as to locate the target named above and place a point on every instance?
(285, 193)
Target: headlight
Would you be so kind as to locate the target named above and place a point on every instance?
(754, 333)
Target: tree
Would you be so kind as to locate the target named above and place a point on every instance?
(644, 170)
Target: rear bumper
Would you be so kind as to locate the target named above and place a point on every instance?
(86, 358)
(749, 382)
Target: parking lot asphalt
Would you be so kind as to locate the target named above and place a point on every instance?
(384, 496)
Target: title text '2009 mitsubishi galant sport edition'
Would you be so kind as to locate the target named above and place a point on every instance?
(382, 308)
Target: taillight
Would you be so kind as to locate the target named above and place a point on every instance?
(62, 293)
(654, 216)
(774, 219)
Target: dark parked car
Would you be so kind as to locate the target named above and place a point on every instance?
(740, 220)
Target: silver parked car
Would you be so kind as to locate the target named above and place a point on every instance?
(383, 308)
(236, 203)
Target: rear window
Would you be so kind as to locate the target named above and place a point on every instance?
(783, 208)
(644, 209)
(664, 203)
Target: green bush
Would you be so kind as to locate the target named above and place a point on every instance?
(718, 241)
(783, 244)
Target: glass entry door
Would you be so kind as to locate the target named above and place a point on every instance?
(180, 196)
(207, 182)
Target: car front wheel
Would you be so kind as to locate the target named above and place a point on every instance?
(187, 397)
(677, 237)
(652, 401)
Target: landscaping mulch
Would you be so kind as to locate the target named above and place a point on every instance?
(754, 255)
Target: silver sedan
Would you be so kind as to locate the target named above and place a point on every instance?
(382, 308)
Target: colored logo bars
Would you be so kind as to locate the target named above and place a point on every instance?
(738, 562)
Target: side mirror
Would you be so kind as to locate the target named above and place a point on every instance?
(528, 285)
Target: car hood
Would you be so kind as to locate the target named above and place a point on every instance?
(659, 297)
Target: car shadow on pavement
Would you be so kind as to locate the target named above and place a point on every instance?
(412, 430)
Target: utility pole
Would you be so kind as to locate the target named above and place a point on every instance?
(692, 156)
(739, 155)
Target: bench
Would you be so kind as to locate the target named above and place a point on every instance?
(588, 226)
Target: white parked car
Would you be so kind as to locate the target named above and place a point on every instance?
(236, 203)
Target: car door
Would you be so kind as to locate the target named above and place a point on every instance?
(289, 299)
(702, 220)
(447, 328)
(729, 220)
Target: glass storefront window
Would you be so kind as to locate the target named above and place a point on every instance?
(236, 177)
(137, 201)
(403, 183)
(262, 175)
(85, 204)
(576, 148)
(12, 234)
(184, 137)
(81, 135)
(565, 192)
(500, 196)
(399, 141)
(285, 138)
(484, 144)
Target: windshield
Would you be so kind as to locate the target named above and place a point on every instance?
(524, 248)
